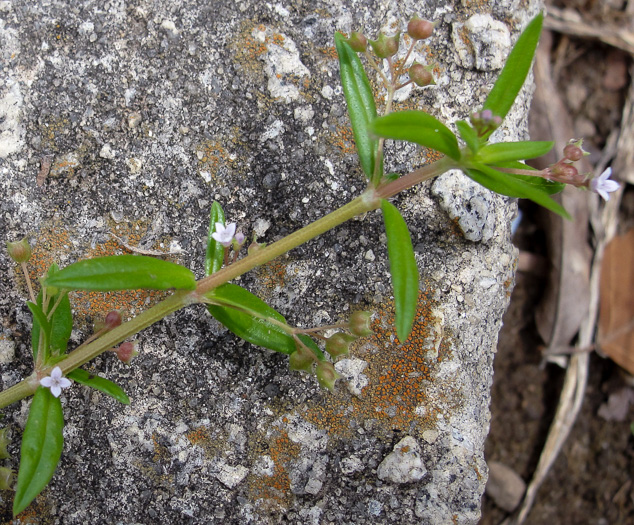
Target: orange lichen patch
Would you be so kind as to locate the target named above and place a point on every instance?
(50, 244)
(430, 155)
(198, 436)
(275, 490)
(343, 139)
(329, 52)
(211, 156)
(51, 129)
(98, 304)
(212, 445)
(278, 39)
(160, 451)
(397, 375)
(37, 512)
(271, 276)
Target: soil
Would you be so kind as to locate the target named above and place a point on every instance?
(591, 480)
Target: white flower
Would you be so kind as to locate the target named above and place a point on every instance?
(603, 186)
(55, 381)
(224, 235)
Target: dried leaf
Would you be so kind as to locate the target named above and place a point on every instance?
(616, 318)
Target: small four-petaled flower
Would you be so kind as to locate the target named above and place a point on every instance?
(55, 381)
(224, 235)
(603, 186)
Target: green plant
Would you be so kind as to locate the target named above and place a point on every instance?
(495, 166)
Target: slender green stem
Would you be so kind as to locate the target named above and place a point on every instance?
(428, 171)
(366, 202)
(369, 200)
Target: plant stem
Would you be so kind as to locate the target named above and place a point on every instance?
(369, 200)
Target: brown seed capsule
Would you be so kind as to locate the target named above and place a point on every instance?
(573, 153)
(301, 360)
(327, 375)
(419, 29)
(126, 352)
(420, 76)
(386, 46)
(339, 344)
(359, 324)
(113, 319)
(358, 42)
(19, 251)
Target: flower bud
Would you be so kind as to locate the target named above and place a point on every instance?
(327, 375)
(358, 42)
(386, 46)
(420, 75)
(19, 251)
(339, 344)
(302, 360)
(4, 442)
(573, 153)
(113, 319)
(419, 29)
(126, 352)
(6, 478)
(359, 324)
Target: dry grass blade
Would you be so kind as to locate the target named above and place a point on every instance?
(603, 221)
(568, 21)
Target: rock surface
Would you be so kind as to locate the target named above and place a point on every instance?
(130, 118)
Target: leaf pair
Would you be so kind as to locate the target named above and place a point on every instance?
(242, 312)
(55, 332)
(361, 107)
(480, 160)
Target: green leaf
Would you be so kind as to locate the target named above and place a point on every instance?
(403, 269)
(418, 127)
(215, 251)
(469, 135)
(123, 272)
(493, 154)
(515, 70)
(61, 325)
(99, 383)
(513, 187)
(61, 320)
(42, 444)
(39, 322)
(253, 327)
(361, 105)
(548, 186)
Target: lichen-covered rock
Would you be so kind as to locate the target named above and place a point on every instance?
(120, 124)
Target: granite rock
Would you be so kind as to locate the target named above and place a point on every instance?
(150, 111)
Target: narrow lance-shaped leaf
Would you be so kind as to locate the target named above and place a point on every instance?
(513, 187)
(469, 135)
(493, 154)
(215, 251)
(548, 186)
(252, 328)
(61, 325)
(403, 269)
(41, 327)
(360, 101)
(61, 320)
(515, 70)
(418, 127)
(123, 272)
(42, 444)
(99, 383)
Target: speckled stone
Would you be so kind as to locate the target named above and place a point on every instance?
(150, 111)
